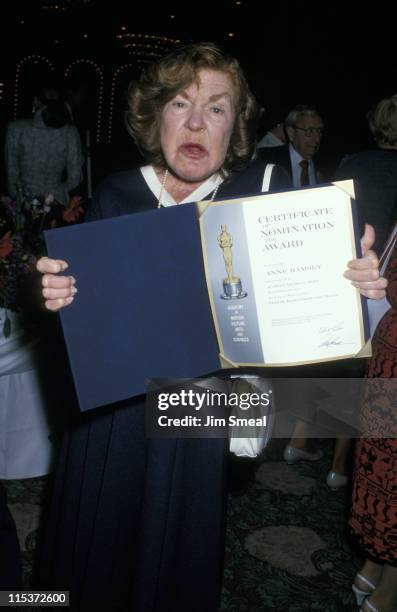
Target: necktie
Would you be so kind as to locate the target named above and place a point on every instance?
(304, 164)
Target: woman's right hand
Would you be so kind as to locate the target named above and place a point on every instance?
(58, 291)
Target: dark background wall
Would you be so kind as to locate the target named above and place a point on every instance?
(340, 56)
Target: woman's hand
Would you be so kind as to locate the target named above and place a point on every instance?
(58, 291)
(364, 272)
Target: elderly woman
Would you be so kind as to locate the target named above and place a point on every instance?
(138, 524)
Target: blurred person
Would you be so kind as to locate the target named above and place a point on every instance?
(304, 127)
(43, 154)
(375, 172)
(373, 515)
(26, 448)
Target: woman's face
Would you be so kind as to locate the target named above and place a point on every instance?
(5, 245)
(196, 126)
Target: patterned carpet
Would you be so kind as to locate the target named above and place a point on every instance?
(287, 544)
(288, 547)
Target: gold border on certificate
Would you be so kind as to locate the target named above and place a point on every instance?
(225, 358)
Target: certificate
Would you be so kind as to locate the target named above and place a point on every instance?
(182, 291)
(274, 267)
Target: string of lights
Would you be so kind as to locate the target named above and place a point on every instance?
(100, 88)
(23, 63)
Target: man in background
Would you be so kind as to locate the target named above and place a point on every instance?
(304, 127)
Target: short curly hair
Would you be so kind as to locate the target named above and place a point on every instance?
(382, 119)
(164, 79)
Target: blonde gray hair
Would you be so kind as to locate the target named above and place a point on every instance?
(382, 121)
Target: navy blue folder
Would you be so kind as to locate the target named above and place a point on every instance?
(142, 309)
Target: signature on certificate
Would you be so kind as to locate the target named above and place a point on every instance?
(330, 336)
(331, 341)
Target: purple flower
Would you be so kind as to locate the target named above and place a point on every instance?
(49, 199)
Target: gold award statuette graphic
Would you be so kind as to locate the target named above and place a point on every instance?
(232, 287)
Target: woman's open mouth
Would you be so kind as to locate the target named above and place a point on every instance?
(193, 150)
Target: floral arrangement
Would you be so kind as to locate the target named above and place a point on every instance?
(15, 263)
(21, 246)
(32, 214)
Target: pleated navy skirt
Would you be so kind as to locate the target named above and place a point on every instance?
(136, 524)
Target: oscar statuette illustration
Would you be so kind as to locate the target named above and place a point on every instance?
(232, 287)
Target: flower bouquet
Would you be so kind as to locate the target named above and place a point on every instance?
(22, 221)
(35, 213)
(32, 215)
(15, 263)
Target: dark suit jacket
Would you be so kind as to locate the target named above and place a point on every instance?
(281, 157)
(375, 180)
(277, 155)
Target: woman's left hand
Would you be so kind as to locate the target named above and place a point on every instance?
(364, 272)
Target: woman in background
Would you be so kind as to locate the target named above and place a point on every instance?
(373, 517)
(375, 172)
(43, 154)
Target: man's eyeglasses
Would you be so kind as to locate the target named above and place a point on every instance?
(310, 131)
